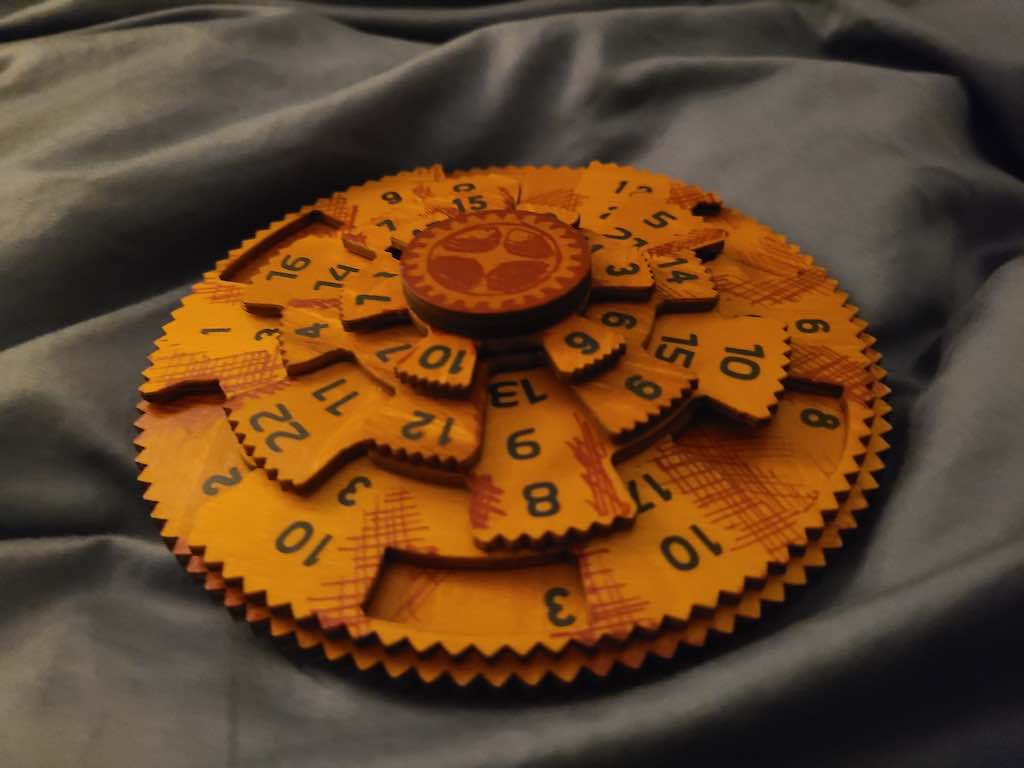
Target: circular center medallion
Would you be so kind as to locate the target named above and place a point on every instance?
(496, 273)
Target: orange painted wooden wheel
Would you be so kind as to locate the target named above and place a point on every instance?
(510, 423)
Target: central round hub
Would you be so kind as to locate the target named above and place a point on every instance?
(496, 273)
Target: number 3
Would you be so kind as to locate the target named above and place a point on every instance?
(555, 608)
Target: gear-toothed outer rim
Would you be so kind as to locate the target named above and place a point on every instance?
(879, 427)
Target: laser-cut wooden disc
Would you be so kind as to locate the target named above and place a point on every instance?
(461, 514)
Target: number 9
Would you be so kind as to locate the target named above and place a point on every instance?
(618, 320)
(584, 342)
(642, 387)
(813, 325)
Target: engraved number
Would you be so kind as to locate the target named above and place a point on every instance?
(641, 387)
(385, 354)
(413, 430)
(335, 407)
(293, 264)
(634, 491)
(639, 188)
(812, 417)
(476, 203)
(738, 364)
(520, 449)
(298, 432)
(625, 234)
(362, 298)
(671, 354)
(311, 331)
(584, 342)
(812, 325)
(339, 276)
(437, 355)
(231, 478)
(683, 555)
(615, 319)
(661, 219)
(345, 494)
(503, 393)
(296, 536)
(541, 499)
(555, 608)
(630, 269)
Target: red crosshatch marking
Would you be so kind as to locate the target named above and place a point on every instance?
(422, 191)
(316, 303)
(757, 506)
(337, 208)
(235, 398)
(557, 198)
(611, 609)
(775, 256)
(775, 290)
(822, 364)
(691, 241)
(393, 523)
(688, 197)
(219, 293)
(235, 373)
(590, 453)
(484, 500)
(423, 585)
(356, 237)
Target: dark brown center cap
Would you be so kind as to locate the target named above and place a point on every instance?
(496, 273)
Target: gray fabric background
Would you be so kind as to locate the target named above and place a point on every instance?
(139, 141)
